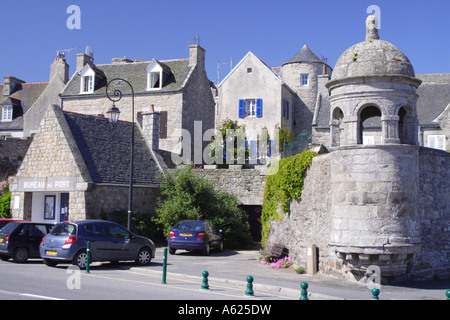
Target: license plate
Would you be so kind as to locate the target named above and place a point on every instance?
(186, 234)
(52, 253)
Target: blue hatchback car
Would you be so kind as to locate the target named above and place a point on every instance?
(109, 241)
(194, 235)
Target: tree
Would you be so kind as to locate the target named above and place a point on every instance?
(5, 201)
(189, 196)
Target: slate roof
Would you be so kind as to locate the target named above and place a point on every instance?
(434, 96)
(304, 55)
(105, 148)
(135, 73)
(22, 98)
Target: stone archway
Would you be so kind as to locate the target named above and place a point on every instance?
(369, 126)
(407, 125)
(336, 127)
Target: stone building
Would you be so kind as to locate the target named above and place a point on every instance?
(382, 206)
(261, 97)
(178, 89)
(23, 104)
(78, 167)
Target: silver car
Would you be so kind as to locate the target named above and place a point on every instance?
(109, 241)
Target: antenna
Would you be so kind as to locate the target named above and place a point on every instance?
(61, 54)
(89, 51)
(218, 71)
(197, 39)
(230, 62)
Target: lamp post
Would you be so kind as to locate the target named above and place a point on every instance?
(113, 114)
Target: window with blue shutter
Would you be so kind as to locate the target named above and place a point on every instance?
(259, 108)
(241, 108)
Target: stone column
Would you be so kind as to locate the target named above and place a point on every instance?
(351, 130)
(390, 129)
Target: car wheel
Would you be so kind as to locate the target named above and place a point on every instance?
(20, 255)
(206, 250)
(50, 262)
(172, 250)
(144, 257)
(80, 259)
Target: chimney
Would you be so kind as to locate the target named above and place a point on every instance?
(196, 56)
(60, 67)
(150, 128)
(10, 84)
(82, 60)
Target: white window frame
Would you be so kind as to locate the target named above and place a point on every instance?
(7, 113)
(87, 80)
(436, 141)
(154, 70)
(302, 77)
(250, 107)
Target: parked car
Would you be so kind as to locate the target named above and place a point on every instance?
(4, 222)
(195, 235)
(109, 241)
(20, 240)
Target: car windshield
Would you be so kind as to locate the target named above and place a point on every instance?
(190, 225)
(10, 227)
(63, 229)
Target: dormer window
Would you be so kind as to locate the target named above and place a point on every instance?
(7, 113)
(87, 84)
(157, 74)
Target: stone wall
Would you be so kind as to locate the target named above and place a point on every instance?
(12, 152)
(309, 219)
(247, 184)
(434, 213)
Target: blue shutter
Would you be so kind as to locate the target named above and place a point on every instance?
(259, 108)
(287, 110)
(241, 108)
(270, 148)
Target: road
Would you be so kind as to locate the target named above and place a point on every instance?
(227, 281)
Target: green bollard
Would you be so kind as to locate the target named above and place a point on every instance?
(164, 267)
(304, 293)
(249, 292)
(375, 293)
(88, 253)
(205, 285)
(448, 294)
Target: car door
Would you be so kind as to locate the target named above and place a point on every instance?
(35, 234)
(100, 244)
(122, 247)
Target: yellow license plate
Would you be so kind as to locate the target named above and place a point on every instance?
(186, 234)
(52, 253)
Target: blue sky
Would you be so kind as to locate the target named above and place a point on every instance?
(33, 31)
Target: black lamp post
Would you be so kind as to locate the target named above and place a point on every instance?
(113, 114)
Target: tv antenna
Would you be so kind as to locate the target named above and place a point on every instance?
(62, 53)
(196, 39)
(230, 62)
(218, 71)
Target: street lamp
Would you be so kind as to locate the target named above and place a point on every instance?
(113, 114)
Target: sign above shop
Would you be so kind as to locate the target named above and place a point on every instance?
(47, 184)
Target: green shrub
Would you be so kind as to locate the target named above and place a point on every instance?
(5, 201)
(283, 186)
(188, 196)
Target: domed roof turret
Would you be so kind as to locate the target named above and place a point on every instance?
(372, 57)
(305, 55)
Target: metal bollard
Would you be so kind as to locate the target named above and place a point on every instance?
(249, 291)
(375, 293)
(164, 275)
(205, 285)
(88, 253)
(304, 293)
(448, 294)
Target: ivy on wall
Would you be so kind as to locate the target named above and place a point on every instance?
(5, 200)
(282, 187)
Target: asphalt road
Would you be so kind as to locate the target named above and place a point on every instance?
(227, 281)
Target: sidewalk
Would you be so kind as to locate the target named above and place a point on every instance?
(232, 268)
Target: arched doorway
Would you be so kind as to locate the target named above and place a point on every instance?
(336, 127)
(370, 129)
